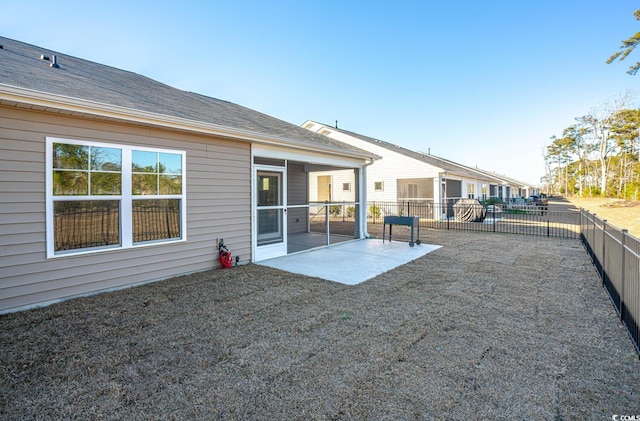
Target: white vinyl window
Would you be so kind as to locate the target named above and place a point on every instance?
(104, 196)
(378, 186)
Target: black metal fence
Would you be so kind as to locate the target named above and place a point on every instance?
(616, 256)
(155, 220)
(88, 224)
(526, 220)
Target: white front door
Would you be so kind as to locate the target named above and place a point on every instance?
(270, 213)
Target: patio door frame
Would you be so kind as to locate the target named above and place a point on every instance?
(276, 248)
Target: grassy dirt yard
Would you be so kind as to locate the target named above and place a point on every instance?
(490, 326)
(622, 214)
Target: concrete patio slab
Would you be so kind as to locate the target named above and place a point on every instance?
(351, 262)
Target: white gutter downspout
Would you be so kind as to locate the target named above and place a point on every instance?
(363, 200)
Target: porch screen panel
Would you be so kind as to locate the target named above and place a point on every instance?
(415, 188)
(454, 189)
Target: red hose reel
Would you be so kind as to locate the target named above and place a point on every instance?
(224, 255)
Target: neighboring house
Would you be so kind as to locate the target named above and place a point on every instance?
(111, 179)
(405, 175)
(514, 188)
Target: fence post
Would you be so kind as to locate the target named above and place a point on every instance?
(604, 233)
(593, 238)
(493, 211)
(446, 213)
(166, 217)
(548, 235)
(105, 240)
(622, 275)
(326, 213)
(582, 236)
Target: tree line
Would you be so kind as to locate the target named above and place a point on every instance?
(598, 155)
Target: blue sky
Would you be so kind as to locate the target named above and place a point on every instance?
(483, 83)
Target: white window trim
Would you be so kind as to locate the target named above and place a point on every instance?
(126, 198)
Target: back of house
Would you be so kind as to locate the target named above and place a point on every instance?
(111, 179)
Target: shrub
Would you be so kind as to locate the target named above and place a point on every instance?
(335, 210)
(375, 211)
(492, 201)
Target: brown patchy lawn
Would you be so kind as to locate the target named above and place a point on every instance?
(624, 215)
(490, 326)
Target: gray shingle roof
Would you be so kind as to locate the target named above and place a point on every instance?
(21, 66)
(445, 164)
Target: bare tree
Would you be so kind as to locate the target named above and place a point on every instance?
(599, 124)
(626, 133)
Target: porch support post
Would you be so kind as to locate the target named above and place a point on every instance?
(357, 230)
(326, 215)
(362, 198)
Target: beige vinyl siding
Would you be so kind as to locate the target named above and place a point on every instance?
(218, 206)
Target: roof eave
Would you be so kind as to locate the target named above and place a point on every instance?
(81, 107)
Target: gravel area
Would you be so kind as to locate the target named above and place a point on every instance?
(490, 326)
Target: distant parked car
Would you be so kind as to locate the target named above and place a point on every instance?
(539, 202)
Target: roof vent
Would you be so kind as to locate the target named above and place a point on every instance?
(43, 57)
(54, 61)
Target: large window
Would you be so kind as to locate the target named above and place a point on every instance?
(103, 196)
